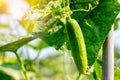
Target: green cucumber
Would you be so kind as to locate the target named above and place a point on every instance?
(77, 43)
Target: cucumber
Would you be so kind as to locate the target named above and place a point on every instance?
(77, 43)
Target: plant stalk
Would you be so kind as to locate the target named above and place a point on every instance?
(22, 66)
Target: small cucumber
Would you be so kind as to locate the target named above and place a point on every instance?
(77, 43)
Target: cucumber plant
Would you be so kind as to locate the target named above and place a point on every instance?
(92, 15)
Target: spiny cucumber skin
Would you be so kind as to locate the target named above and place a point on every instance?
(77, 45)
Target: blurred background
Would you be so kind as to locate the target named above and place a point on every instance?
(41, 61)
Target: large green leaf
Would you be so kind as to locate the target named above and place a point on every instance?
(96, 25)
(83, 9)
(15, 45)
(6, 38)
(56, 39)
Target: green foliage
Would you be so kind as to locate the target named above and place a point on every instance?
(82, 10)
(27, 24)
(116, 23)
(94, 16)
(11, 65)
(116, 73)
(29, 65)
(97, 70)
(5, 38)
(87, 77)
(96, 25)
(54, 39)
(5, 76)
(15, 45)
(39, 45)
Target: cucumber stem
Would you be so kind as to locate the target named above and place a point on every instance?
(21, 65)
(78, 77)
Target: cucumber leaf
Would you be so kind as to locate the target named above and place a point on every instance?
(83, 8)
(96, 26)
(6, 38)
(15, 45)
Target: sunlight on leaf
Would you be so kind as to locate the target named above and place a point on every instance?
(15, 45)
(6, 38)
